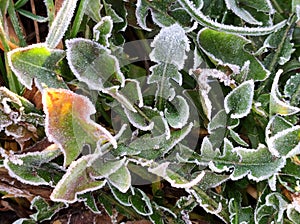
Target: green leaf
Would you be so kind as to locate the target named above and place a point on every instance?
(69, 125)
(61, 23)
(141, 203)
(36, 62)
(273, 209)
(104, 168)
(285, 143)
(149, 119)
(76, 181)
(239, 214)
(44, 210)
(235, 136)
(240, 12)
(102, 31)
(154, 147)
(112, 13)
(232, 53)
(122, 198)
(26, 167)
(177, 114)
(280, 40)
(115, 171)
(277, 104)
(292, 89)
(238, 102)
(170, 46)
(158, 10)
(293, 214)
(89, 201)
(259, 5)
(257, 164)
(24, 221)
(93, 64)
(93, 9)
(218, 121)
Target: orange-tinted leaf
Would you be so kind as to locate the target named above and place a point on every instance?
(69, 125)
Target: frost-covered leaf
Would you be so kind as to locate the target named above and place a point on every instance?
(77, 180)
(24, 221)
(218, 121)
(207, 22)
(121, 179)
(276, 125)
(257, 164)
(132, 91)
(154, 147)
(112, 13)
(293, 214)
(103, 168)
(69, 125)
(149, 119)
(170, 46)
(177, 113)
(259, 5)
(238, 102)
(93, 64)
(28, 168)
(232, 53)
(273, 209)
(102, 31)
(93, 9)
(281, 41)
(292, 89)
(141, 202)
(90, 202)
(122, 198)
(115, 171)
(277, 104)
(163, 170)
(44, 210)
(37, 62)
(61, 23)
(235, 136)
(285, 143)
(239, 214)
(240, 12)
(158, 11)
(169, 52)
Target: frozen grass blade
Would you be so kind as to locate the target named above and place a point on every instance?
(61, 23)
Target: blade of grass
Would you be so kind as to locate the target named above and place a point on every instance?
(50, 11)
(78, 18)
(10, 78)
(15, 22)
(20, 3)
(61, 23)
